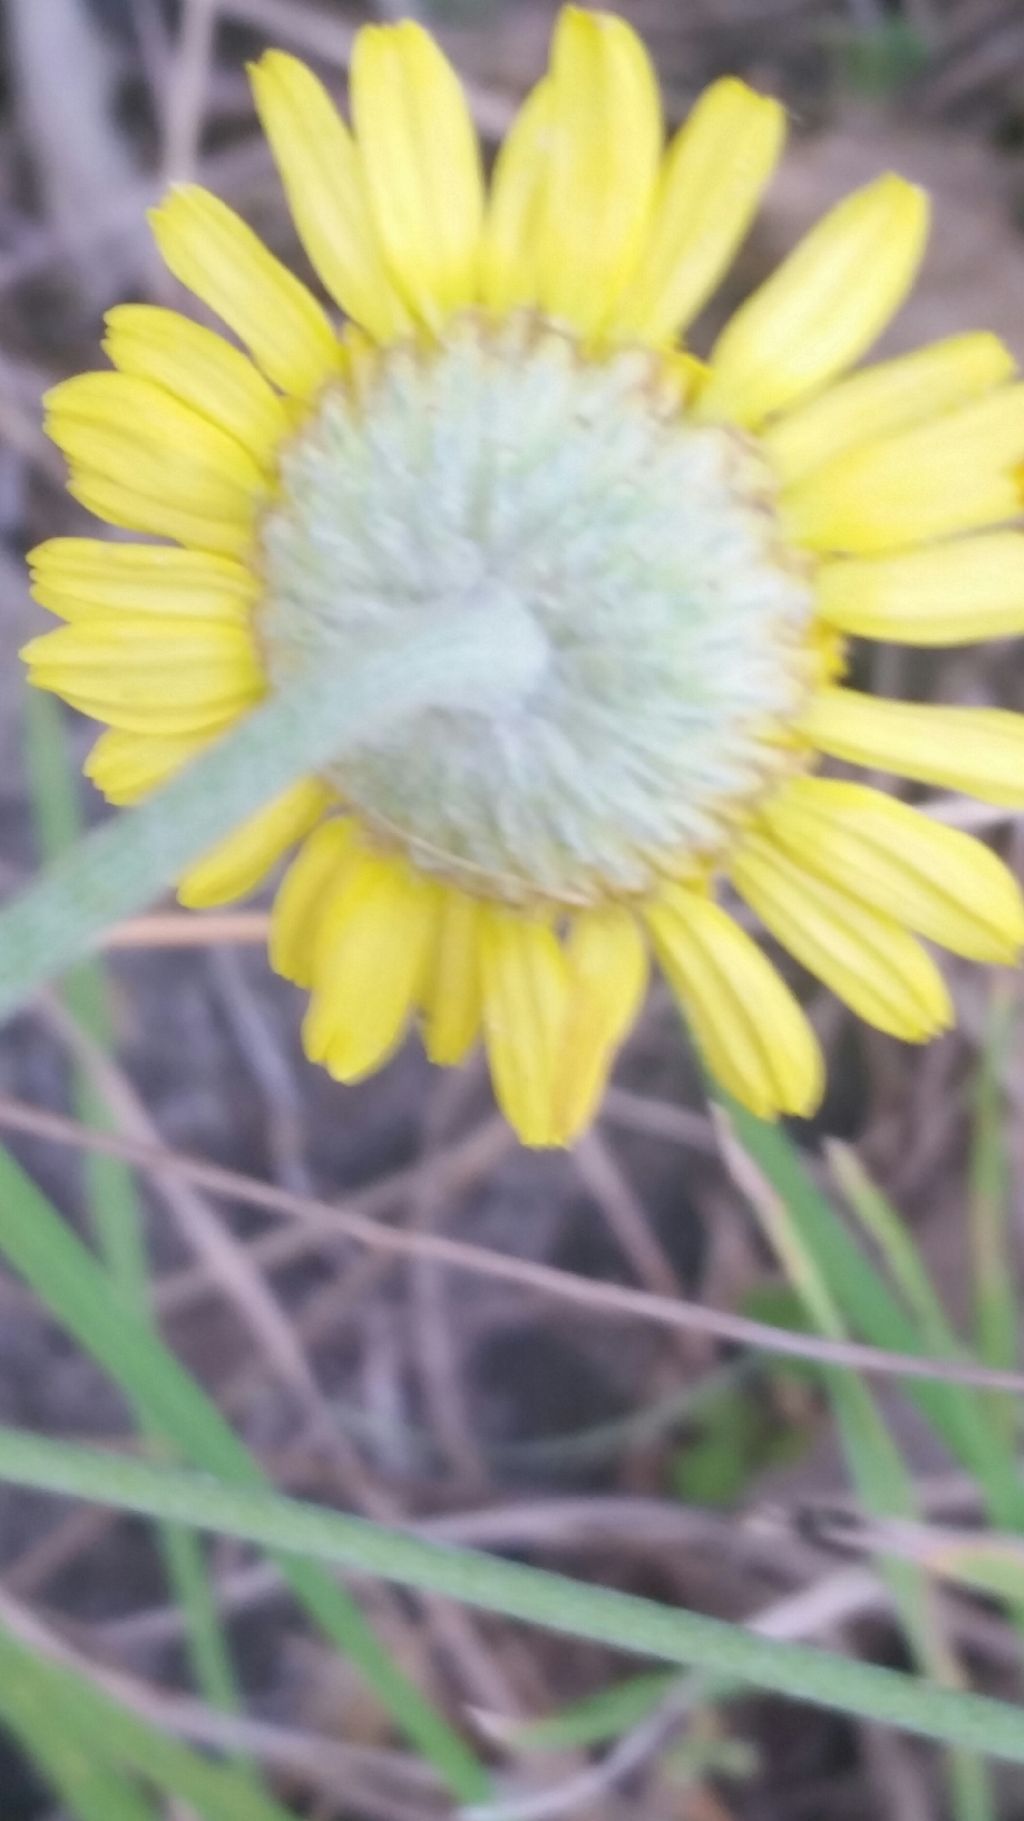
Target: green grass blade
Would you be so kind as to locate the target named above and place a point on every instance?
(112, 1200)
(287, 1527)
(883, 1483)
(207, 1645)
(971, 1789)
(986, 1564)
(88, 1788)
(68, 1280)
(995, 1285)
(876, 1315)
(895, 1244)
(613, 1711)
(599, 1717)
(114, 1737)
(116, 1215)
(994, 1411)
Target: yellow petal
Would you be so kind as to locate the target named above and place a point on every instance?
(867, 959)
(203, 371)
(162, 434)
(323, 181)
(167, 677)
(748, 1027)
(509, 258)
(452, 997)
(217, 256)
(143, 509)
(307, 889)
(372, 955)
(885, 399)
(948, 594)
(238, 864)
(977, 750)
(131, 436)
(714, 176)
(126, 766)
(607, 961)
(421, 161)
(74, 577)
(939, 479)
(936, 880)
(605, 141)
(525, 984)
(188, 476)
(824, 306)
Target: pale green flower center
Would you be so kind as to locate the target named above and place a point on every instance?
(500, 473)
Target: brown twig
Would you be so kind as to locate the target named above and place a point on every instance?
(186, 929)
(611, 1300)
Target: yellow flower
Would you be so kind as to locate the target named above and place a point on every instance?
(507, 421)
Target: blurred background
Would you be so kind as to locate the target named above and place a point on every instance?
(660, 1462)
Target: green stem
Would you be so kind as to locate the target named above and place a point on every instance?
(551, 1600)
(116, 1214)
(452, 661)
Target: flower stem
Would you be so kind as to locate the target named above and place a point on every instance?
(467, 660)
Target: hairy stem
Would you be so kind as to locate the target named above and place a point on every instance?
(465, 660)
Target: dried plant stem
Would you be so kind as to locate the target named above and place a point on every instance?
(615, 1300)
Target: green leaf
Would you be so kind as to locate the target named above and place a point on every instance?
(716, 1466)
(287, 1527)
(739, 1437)
(882, 60)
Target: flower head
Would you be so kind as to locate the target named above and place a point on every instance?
(506, 421)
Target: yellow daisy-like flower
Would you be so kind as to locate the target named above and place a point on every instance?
(507, 422)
